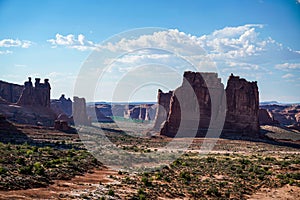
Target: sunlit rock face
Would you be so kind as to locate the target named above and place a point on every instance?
(187, 111)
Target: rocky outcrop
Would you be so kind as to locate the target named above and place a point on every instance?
(10, 92)
(286, 115)
(132, 113)
(79, 112)
(38, 96)
(9, 133)
(33, 105)
(150, 112)
(28, 114)
(141, 112)
(242, 105)
(61, 125)
(163, 108)
(96, 115)
(62, 105)
(188, 110)
(190, 105)
(104, 108)
(119, 110)
(297, 117)
(266, 118)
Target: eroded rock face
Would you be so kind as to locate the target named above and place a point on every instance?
(38, 96)
(163, 108)
(62, 105)
(28, 114)
(285, 114)
(79, 112)
(266, 118)
(10, 92)
(96, 113)
(189, 107)
(242, 105)
(141, 112)
(119, 110)
(32, 106)
(297, 116)
(105, 109)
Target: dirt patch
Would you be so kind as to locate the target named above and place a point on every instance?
(61, 188)
(287, 192)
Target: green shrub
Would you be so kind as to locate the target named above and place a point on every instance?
(146, 181)
(213, 191)
(29, 152)
(38, 169)
(167, 179)
(186, 176)
(26, 170)
(35, 149)
(141, 191)
(142, 197)
(211, 160)
(111, 192)
(21, 161)
(270, 159)
(245, 161)
(2, 170)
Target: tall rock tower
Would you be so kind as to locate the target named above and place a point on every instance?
(242, 105)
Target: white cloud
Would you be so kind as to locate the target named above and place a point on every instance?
(70, 41)
(230, 44)
(236, 42)
(5, 52)
(239, 49)
(15, 43)
(288, 66)
(179, 42)
(286, 76)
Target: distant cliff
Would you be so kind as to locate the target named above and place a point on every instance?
(10, 92)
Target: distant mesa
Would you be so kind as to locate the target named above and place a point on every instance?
(284, 115)
(269, 103)
(145, 112)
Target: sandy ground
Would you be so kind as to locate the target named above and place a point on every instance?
(287, 192)
(60, 188)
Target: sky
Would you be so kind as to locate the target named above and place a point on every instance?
(126, 50)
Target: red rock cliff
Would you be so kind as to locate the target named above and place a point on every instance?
(189, 107)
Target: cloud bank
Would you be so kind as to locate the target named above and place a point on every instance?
(70, 41)
(229, 47)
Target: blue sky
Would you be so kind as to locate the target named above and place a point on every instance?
(256, 39)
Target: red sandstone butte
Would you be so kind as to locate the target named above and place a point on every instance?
(187, 111)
